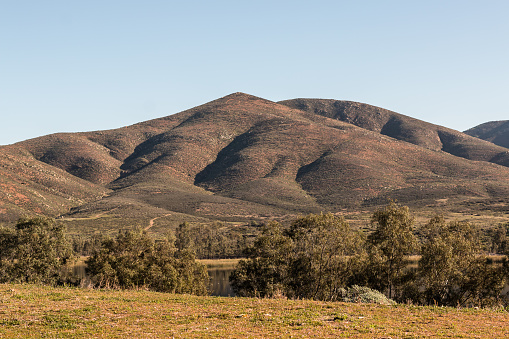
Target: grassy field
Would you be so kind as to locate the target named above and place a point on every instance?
(28, 311)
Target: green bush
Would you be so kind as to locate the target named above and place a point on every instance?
(451, 271)
(362, 294)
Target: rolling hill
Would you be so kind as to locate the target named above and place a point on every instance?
(29, 186)
(242, 157)
(405, 128)
(496, 132)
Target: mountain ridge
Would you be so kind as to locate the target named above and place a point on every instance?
(404, 128)
(496, 132)
(242, 157)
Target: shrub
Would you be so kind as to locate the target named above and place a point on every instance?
(362, 294)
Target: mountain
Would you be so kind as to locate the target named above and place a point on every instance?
(29, 186)
(405, 128)
(242, 157)
(496, 132)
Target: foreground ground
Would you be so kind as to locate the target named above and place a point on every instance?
(28, 311)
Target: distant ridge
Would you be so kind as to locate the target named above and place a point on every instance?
(405, 128)
(496, 132)
(242, 157)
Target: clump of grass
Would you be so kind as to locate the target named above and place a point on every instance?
(59, 321)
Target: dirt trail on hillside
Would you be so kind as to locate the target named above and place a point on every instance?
(97, 216)
(151, 222)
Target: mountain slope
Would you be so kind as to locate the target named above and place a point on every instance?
(29, 186)
(404, 128)
(496, 132)
(241, 157)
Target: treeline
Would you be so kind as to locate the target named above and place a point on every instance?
(315, 257)
(209, 241)
(319, 256)
(38, 251)
(222, 241)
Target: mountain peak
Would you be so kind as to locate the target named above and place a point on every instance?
(241, 96)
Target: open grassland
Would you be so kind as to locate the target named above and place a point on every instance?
(28, 311)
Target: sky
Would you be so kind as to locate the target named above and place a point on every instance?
(71, 66)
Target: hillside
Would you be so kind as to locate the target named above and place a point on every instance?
(496, 132)
(30, 186)
(242, 158)
(405, 128)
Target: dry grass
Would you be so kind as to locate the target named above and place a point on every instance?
(29, 311)
(220, 263)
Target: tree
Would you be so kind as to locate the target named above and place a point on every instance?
(312, 259)
(498, 239)
(85, 245)
(322, 258)
(451, 272)
(133, 259)
(389, 244)
(214, 240)
(37, 251)
(184, 237)
(265, 271)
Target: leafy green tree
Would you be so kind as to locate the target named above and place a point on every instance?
(499, 240)
(216, 239)
(265, 272)
(388, 246)
(505, 265)
(7, 245)
(322, 258)
(37, 251)
(484, 285)
(133, 259)
(85, 246)
(7, 241)
(121, 261)
(184, 238)
(312, 259)
(451, 271)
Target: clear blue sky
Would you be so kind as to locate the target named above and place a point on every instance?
(89, 65)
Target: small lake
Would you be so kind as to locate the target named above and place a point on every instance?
(220, 285)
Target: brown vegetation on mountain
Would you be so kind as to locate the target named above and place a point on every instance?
(496, 132)
(29, 186)
(241, 157)
(405, 128)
